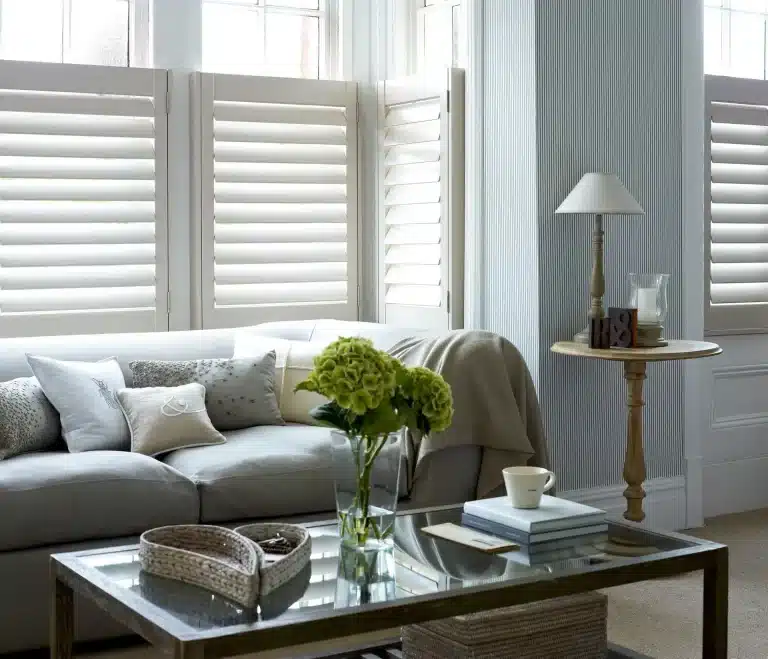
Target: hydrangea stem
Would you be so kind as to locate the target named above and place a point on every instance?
(365, 450)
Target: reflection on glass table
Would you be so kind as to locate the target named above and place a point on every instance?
(418, 565)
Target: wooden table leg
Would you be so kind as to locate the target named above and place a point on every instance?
(189, 651)
(634, 461)
(715, 638)
(62, 623)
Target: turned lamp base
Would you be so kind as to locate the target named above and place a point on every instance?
(583, 336)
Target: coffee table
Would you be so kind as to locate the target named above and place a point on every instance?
(329, 609)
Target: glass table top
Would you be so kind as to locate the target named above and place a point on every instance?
(419, 564)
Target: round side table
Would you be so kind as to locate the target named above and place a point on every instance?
(635, 360)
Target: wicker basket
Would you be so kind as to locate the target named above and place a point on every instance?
(274, 574)
(211, 557)
(564, 628)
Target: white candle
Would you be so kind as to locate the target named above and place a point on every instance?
(646, 305)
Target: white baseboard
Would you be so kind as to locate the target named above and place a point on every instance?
(694, 492)
(664, 503)
(734, 487)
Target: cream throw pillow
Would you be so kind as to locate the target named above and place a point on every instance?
(163, 419)
(294, 361)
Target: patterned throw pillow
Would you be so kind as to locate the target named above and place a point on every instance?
(240, 393)
(28, 422)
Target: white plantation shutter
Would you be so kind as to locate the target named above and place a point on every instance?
(82, 199)
(279, 199)
(421, 201)
(737, 165)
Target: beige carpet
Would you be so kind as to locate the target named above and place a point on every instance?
(663, 618)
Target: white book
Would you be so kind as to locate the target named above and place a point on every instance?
(553, 514)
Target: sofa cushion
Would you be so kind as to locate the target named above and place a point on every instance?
(265, 471)
(49, 498)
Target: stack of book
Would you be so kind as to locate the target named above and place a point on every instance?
(556, 530)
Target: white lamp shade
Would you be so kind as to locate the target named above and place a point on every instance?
(597, 192)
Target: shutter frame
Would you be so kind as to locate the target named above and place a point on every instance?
(735, 265)
(442, 306)
(241, 221)
(55, 205)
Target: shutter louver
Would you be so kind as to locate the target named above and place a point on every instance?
(279, 199)
(82, 199)
(421, 173)
(738, 208)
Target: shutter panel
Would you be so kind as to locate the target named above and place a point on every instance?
(82, 199)
(737, 169)
(279, 199)
(421, 201)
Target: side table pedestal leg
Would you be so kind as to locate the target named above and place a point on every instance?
(634, 461)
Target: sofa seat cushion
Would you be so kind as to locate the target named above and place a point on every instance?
(49, 498)
(264, 471)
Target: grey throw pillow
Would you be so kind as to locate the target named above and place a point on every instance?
(28, 422)
(240, 393)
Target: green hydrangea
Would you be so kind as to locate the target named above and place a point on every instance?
(430, 399)
(354, 374)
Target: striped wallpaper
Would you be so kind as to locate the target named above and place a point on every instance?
(511, 296)
(607, 98)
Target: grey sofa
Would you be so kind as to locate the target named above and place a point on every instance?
(56, 501)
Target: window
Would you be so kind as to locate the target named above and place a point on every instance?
(279, 199)
(738, 205)
(286, 38)
(438, 26)
(106, 32)
(421, 192)
(82, 199)
(427, 35)
(735, 38)
(736, 61)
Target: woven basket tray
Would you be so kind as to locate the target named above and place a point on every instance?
(211, 557)
(572, 627)
(274, 573)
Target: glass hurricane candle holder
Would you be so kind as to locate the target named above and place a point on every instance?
(648, 294)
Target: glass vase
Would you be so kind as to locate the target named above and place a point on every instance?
(366, 472)
(364, 577)
(648, 294)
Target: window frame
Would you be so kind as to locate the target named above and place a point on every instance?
(422, 9)
(139, 33)
(328, 15)
(727, 12)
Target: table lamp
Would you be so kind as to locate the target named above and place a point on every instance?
(601, 194)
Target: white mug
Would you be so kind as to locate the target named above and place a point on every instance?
(525, 485)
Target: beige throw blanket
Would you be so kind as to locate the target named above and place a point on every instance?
(495, 403)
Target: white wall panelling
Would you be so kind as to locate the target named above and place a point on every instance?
(735, 442)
